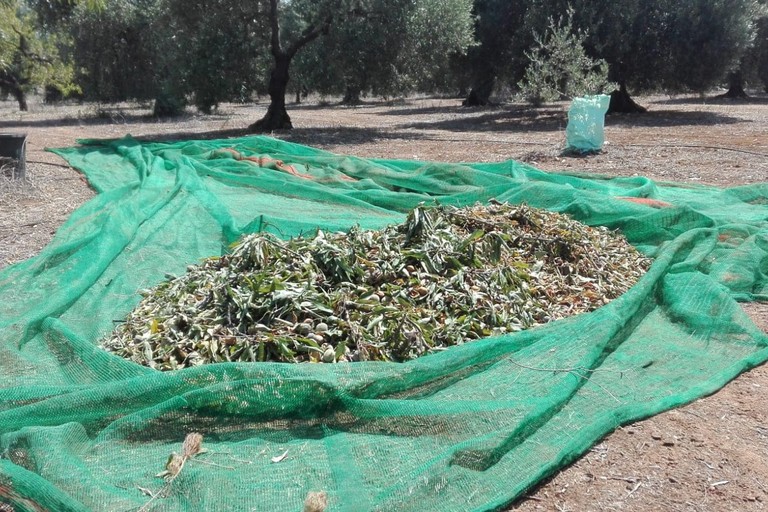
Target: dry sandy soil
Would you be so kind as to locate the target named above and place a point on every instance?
(711, 455)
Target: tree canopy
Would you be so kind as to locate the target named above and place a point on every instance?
(754, 63)
(29, 54)
(677, 45)
(201, 53)
(393, 48)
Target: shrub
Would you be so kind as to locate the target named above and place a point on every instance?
(559, 67)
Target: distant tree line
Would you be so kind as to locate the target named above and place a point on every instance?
(177, 53)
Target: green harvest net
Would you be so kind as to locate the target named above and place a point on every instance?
(471, 428)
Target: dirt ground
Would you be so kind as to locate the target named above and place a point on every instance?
(711, 455)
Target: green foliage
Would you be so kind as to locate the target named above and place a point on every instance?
(503, 32)
(213, 50)
(321, 66)
(755, 62)
(705, 40)
(677, 45)
(51, 13)
(388, 48)
(559, 67)
(30, 57)
(209, 51)
(113, 50)
(168, 102)
(173, 51)
(359, 54)
(436, 30)
(761, 52)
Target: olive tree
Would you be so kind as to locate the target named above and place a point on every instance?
(674, 45)
(559, 67)
(393, 48)
(113, 54)
(174, 52)
(359, 53)
(30, 53)
(438, 32)
(308, 20)
(753, 67)
(503, 38)
(211, 50)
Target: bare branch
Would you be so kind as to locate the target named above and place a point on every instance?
(23, 48)
(310, 34)
(276, 49)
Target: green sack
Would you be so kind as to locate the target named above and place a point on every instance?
(586, 119)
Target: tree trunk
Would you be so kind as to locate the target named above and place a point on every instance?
(10, 85)
(735, 86)
(480, 94)
(21, 98)
(277, 117)
(621, 101)
(301, 93)
(351, 96)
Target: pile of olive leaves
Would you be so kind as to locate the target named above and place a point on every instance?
(445, 276)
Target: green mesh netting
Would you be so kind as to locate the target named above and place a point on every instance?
(467, 429)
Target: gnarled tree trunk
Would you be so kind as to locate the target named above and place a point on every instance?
(21, 98)
(351, 95)
(10, 84)
(621, 101)
(735, 86)
(480, 94)
(277, 117)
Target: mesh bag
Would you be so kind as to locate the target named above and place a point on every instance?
(470, 428)
(586, 121)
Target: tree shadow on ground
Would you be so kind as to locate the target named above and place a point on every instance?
(107, 118)
(662, 118)
(523, 119)
(306, 136)
(191, 135)
(433, 110)
(341, 135)
(399, 106)
(329, 105)
(529, 119)
(753, 99)
(76, 121)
